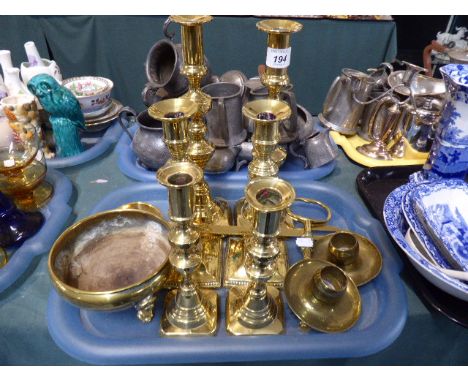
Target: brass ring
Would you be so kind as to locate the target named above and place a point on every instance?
(309, 221)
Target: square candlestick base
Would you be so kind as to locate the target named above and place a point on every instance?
(209, 300)
(234, 326)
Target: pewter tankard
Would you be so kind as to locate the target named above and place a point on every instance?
(341, 112)
(224, 120)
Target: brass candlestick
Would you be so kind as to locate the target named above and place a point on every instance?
(279, 32)
(206, 210)
(266, 114)
(259, 309)
(174, 115)
(275, 76)
(187, 311)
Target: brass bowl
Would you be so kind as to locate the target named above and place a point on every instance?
(140, 294)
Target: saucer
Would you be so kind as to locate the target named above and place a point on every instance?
(103, 121)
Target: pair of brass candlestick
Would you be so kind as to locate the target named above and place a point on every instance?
(196, 251)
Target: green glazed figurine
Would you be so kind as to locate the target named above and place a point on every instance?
(65, 113)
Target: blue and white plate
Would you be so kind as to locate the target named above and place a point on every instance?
(419, 230)
(397, 227)
(442, 208)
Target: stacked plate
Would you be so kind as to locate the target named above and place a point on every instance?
(103, 121)
(429, 221)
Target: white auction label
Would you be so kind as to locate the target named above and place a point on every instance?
(305, 242)
(278, 58)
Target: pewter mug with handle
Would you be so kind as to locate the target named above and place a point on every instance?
(148, 141)
(341, 112)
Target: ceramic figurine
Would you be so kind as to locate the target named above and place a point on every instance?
(66, 116)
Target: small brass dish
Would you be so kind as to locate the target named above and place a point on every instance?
(322, 296)
(113, 260)
(353, 253)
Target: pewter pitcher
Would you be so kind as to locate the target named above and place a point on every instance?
(147, 142)
(341, 112)
(224, 120)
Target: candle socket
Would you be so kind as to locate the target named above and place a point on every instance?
(187, 310)
(259, 309)
(174, 115)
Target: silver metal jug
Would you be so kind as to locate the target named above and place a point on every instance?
(341, 112)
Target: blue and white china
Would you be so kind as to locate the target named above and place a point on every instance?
(413, 222)
(417, 246)
(449, 154)
(442, 209)
(397, 227)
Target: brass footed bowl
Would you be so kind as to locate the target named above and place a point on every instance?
(113, 260)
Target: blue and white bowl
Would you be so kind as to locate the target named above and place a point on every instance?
(397, 227)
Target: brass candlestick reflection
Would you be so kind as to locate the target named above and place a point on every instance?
(259, 309)
(206, 210)
(174, 115)
(187, 311)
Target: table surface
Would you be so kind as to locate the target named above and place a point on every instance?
(428, 337)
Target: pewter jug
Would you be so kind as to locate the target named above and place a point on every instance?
(341, 109)
(224, 120)
(223, 160)
(316, 151)
(147, 142)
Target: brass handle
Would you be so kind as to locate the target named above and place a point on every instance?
(310, 222)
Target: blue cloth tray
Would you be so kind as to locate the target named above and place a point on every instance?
(119, 338)
(56, 213)
(101, 145)
(293, 168)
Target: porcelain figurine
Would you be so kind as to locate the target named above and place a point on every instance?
(65, 113)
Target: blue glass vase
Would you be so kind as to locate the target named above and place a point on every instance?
(15, 225)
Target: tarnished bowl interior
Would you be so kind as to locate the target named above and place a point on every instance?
(110, 259)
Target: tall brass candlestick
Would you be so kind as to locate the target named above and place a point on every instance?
(174, 114)
(187, 310)
(276, 76)
(259, 309)
(278, 59)
(266, 114)
(206, 210)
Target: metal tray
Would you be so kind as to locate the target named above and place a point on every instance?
(97, 143)
(118, 338)
(292, 168)
(56, 213)
(374, 185)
